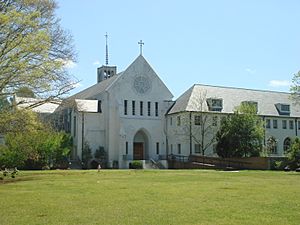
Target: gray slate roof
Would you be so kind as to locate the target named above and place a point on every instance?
(96, 88)
(233, 97)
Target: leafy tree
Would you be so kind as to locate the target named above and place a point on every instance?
(25, 92)
(34, 49)
(86, 155)
(31, 144)
(240, 134)
(293, 154)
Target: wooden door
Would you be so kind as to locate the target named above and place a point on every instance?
(138, 151)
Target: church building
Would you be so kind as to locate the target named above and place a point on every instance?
(132, 115)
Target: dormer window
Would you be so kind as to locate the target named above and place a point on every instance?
(252, 104)
(283, 109)
(215, 104)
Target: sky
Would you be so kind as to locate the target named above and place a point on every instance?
(237, 43)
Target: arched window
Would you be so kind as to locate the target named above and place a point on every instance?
(286, 144)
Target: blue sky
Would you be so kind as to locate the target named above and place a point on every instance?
(250, 44)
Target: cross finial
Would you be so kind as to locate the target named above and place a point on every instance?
(141, 43)
(106, 58)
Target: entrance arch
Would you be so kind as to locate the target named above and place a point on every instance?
(140, 146)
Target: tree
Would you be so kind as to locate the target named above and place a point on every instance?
(34, 50)
(240, 134)
(295, 87)
(198, 126)
(35, 145)
(293, 154)
(204, 132)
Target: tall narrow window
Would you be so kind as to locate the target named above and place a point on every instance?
(171, 121)
(179, 148)
(141, 108)
(298, 125)
(156, 108)
(133, 108)
(125, 107)
(99, 106)
(283, 124)
(157, 148)
(74, 126)
(149, 108)
(197, 120)
(178, 121)
(291, 123)
(126, 147)
(268, 123)
(275, 124)
(171, 147)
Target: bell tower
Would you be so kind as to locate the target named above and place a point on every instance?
(105, 71)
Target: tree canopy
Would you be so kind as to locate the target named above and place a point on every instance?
(34, 49)
(240, 134)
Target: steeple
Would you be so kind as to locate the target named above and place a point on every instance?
(105, 71)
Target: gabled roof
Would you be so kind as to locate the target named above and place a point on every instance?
(44, 107)
(96, 88)
(233, 97)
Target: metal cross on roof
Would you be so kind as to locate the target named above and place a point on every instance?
(141, 43)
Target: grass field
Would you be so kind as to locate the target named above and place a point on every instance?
(151, 197)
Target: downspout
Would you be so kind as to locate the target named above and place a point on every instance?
(190, 133)
(82, 134)
(296, 127)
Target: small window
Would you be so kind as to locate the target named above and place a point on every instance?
(133, 108)
(197, 120)
(291, 124)
(171, 121)
(298, 125)
(178, 121)
(283, 109)
(215, 104)
(99, 106)
(149, 108)
(171, 147)
(125, 107)
(197, 148)
(157, 148)
(126, 147)
(286, 144)
(179, 148)
(268, 123)
(284, 124)
(275, 125)
(215, 121)
(156, 108)
(141, 108)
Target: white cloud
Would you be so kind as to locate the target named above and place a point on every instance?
(96, 63)
(279, 83)
(251, 71)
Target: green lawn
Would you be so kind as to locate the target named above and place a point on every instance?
(151, 197)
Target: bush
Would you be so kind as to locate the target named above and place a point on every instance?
(101, 156)
(136, 164)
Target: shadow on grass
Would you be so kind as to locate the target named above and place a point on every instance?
(15, 180)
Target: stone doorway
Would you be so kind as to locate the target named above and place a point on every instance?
(140, 146)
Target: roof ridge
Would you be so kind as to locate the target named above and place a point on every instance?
(241, 88)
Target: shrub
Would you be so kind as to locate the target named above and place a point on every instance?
(136, 164)
(86, 155)
(101, 155)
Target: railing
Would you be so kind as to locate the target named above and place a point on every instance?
(180, 158)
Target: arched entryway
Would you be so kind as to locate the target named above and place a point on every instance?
(140, 146)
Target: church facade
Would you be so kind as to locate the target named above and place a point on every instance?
(133, 117)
